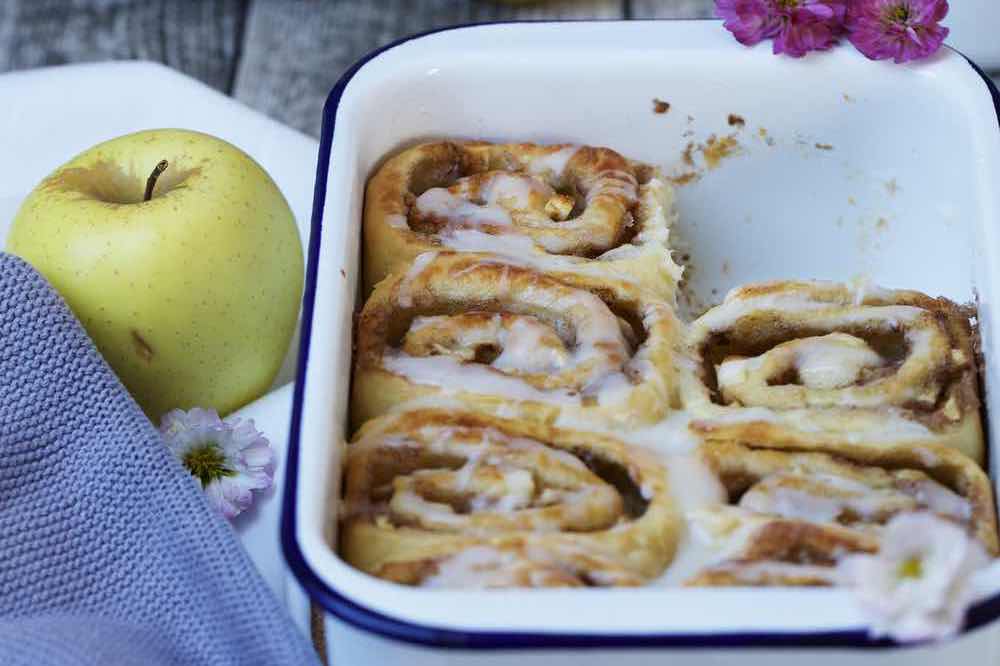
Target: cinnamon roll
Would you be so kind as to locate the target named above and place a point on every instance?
(809, 362)
(442, 497)
(503, 338)
(793, 512)
(563, 208)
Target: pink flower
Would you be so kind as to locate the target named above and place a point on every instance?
(797, 26)
(229, 457)
(750, 21)
(899, 29)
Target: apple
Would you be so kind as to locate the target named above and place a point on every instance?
(181, 258)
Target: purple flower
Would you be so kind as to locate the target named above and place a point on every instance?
(750, 21)
(230, 458)
(899, 29)
(797, 26)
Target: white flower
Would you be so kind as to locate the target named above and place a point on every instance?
(919, 586)
(230, 458)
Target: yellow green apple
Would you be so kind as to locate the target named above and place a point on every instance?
(180, 256)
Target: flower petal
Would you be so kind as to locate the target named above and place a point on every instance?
(258, 454)
(903, 30)
(928, 604)
(217, 498)
(244, 460)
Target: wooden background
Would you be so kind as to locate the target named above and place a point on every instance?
(278, 56)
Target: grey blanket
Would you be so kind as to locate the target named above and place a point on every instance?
(109, 553)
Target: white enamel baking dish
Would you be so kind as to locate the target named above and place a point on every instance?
(848, 168)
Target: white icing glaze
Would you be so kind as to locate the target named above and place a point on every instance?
(823, 499)
(513, 192)
(463, 478)
(821, 363)
(472, 240)
(500, 475)
(864, 289)
(611, 389)
(524, 349)
(825, 362)
(747, 381)
(522, 251)
(693, 554)
(458, 211)
(669, 437)
(404, 297)
(942, 500)
(652, 239)
(397, 221)
(494, 200)
(554, 163)
(927, 457)
(834, 360)
(452, 377)
(712, 534)
(733, 309)
(692, 483)
(770, 570)
(597, 341)
(526, 344)
(893, 426)
(693, 487)
(519, 490)
(474, 568)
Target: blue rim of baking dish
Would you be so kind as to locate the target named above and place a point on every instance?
(374, 622)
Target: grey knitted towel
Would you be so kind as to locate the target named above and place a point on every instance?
(109, 553)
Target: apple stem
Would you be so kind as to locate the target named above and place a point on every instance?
(160, 167)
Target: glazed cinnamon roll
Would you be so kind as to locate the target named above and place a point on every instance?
(564, 208)
(810, 362)
(446, 498)
(505, 339)
(793, 512)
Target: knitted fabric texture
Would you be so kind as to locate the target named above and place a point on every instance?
(109, 552)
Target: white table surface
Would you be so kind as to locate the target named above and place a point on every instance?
(49, 115)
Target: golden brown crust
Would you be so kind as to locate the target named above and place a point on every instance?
(737, 464)
(612, 364)
(434, 495)
(795, 511)
(740, 573)
(915, 380)
(512, 563)
(825, 409)
(581, 202)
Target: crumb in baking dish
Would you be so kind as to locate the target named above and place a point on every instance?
(717, 149)
(685, 178)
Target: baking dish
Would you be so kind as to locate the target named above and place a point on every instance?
(827, 179)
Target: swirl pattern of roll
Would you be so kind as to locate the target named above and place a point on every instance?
(446, 498)
(814, 362)
(793, 512)
(562, 207)
(506, 339)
